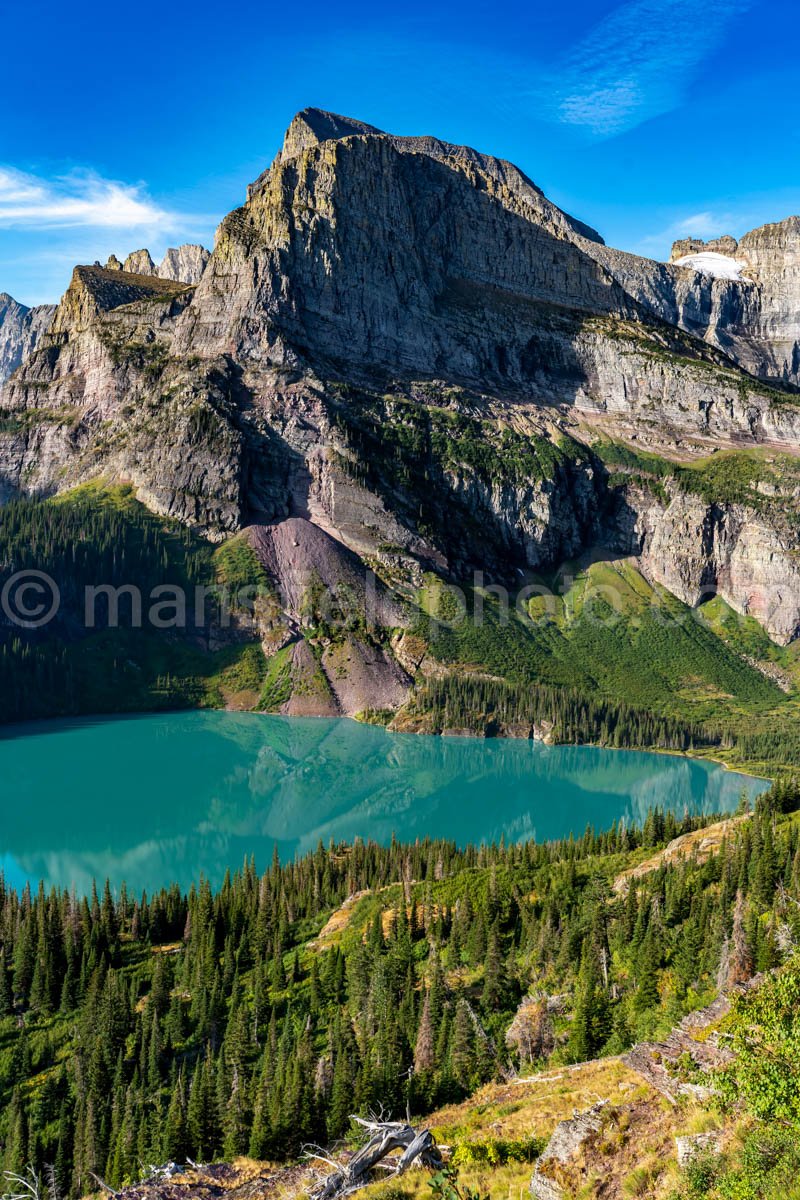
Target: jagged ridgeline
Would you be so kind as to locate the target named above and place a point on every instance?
(256, 1019)
(359, 406)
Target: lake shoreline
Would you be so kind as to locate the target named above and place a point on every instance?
(506, 734)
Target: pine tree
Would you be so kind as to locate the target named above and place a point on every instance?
(176, 1129)
(648, 961)
(494, 981)
(462, 1052)
(590, 1021)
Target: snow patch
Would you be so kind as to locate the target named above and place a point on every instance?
(708, 262)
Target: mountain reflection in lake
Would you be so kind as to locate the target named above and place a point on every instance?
(163, 798)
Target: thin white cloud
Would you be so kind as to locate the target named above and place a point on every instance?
(703, 224)
(80, 199)
(636, 63)
(706, 224)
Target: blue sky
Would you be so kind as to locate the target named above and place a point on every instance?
(141, 124)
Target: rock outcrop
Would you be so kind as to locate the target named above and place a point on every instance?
(139, 262)
(184, 264)
(698, 1145)
(698, 550)
(181, 264)
(686, 246)
(566, 1143)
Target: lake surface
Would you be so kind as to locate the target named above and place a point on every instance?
(161, 798)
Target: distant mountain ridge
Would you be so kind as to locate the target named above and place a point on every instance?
(20, 330)
(22, 327)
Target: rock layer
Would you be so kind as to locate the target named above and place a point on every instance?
(755, 320)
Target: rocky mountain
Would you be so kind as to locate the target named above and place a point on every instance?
(742, 298)
(401, 355)
(21, 328)
(20, 331)
(184, 264)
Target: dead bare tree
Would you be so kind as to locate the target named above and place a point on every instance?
(104, 1187)
(385, 1137)
(21, 1187)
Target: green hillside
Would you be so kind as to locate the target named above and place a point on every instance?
(707, 679)
(604, 631)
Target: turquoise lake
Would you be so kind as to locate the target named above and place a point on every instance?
(163, 798)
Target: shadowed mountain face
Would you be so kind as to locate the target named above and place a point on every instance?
(403, 344)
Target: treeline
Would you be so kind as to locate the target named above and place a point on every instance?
(94, 537)
(487, 705)
(139, 1029)
(90, 539)
(777, 745)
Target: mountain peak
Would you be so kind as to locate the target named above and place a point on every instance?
(181, 264)
(315, 125)
(310, 128)
(690, 245)
(184, 264)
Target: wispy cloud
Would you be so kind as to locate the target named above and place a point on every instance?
(79, 199)
(637, 62)
(48, 223)
(706, 224)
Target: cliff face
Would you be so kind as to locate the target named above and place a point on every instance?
(754, 318)
(184, 264)
(404, 344)
(20, 330)
(699, 550)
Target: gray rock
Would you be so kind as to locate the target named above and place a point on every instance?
(566, 1142)
(571, 1134)
(139, 262)
(721, 245)
(20, 331)
(698, 550)
(184, 264)
(698, 1145)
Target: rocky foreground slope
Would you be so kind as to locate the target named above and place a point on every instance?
(403, 349)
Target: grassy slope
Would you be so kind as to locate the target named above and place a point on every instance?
(612, 634)
(754, 476)
(499, 1117)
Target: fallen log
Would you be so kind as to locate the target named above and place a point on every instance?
(385, 1137)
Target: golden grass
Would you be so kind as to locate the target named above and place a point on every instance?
(703, 843)
(337, 922)
(534, 1105)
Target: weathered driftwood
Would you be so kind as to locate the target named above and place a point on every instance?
(385, 1137)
